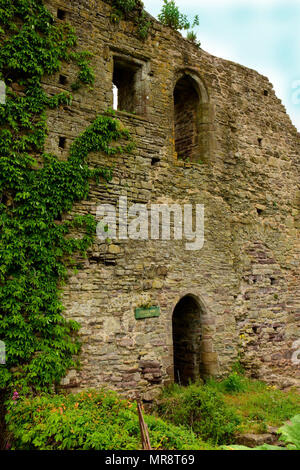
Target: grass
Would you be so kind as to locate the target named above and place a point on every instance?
(258, 404)
(219, 410)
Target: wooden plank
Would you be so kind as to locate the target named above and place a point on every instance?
(144, 429)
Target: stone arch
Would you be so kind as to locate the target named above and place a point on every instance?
(193, 118)
(192, 340)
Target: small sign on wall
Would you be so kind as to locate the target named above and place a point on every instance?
(147, 312)
(2, 92)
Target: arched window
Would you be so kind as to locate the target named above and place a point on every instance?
(193, 119)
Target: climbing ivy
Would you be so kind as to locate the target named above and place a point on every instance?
(36, 246)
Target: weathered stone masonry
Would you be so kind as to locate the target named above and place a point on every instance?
(240, 159)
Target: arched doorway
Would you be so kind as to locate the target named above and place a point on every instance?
(186, 325)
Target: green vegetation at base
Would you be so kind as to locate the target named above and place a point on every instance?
(92, 420)
(199, 416)
(201, 409)
(219, 410)
(258, 405)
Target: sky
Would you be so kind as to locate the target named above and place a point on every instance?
(261, 34)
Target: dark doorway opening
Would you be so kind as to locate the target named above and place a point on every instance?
(187, 340)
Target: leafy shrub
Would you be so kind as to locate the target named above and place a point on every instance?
(126, 6)
(234, 383)
(290, 433)
(134, 10)
(200, 408)
(171, 16)
(97, 420)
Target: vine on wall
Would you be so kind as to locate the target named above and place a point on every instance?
(35, 190)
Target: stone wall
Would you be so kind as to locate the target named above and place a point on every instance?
(246, 277)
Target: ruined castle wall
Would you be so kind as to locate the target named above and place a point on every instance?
(246, 277)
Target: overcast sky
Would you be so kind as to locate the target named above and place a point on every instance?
(260, 34)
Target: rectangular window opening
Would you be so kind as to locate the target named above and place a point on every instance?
(62, 80)
(61, 14)
(62, 142)
(128, 93)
